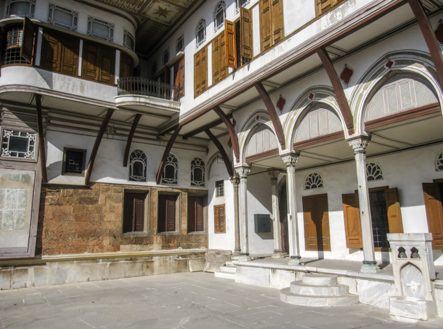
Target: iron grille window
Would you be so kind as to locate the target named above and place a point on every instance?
(201, 32)
(313, 181)
(170, 170)
(180, 44)
(219, 188)
(439, 162)
(74, 161)
(137, 167)
(373, 172)
(219, 15)
(197, 172)
(12, 47)
(379, 214)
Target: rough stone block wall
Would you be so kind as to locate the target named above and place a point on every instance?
(89, 220)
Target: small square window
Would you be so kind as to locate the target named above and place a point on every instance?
(219, 188)
(74, 161)
(62, 17)
(180, 44)
(100, 29)
(18, 144)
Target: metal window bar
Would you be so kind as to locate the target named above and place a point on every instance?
(146, 87)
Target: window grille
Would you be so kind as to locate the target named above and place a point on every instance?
(170, 170)
(12, 47)
(20, 8)
(18, 144)
(128, 40)
(219, 188)
(439, 162)
(197, 172)
(200, 32)
(62, 17)
(100, 29)
(373, 172)
(180, 46)
(137, 166)
(74, 161)
(219, 15)
(379, 215)
(313, 181)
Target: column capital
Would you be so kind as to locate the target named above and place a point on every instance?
(273, 174)
(359, 143)
(290, 159)
(243, 171)
(235, 180)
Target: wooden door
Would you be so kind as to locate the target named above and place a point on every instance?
(316, 220)
(134, 212)
(195, 213)
(434, 212)
(219, 219)
(166, 213)
(351, 212)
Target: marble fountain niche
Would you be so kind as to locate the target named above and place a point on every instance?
(413, 268)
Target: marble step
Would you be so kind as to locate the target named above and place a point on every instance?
(228, 269)
(300, 288)
(319, 280)
(288, 297)
(224, 275)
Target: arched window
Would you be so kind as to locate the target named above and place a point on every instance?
(200, 32)
(219, 15)
(170, 170)
(137, 166)
(439, 162)
(373, 172)
(313, 181)
(197, 172)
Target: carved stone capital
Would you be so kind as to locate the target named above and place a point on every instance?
(290, 159)
(243, 171)
(273, 174)
(235, 181)
(359, 144)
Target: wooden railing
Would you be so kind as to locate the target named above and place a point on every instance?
(146, 87)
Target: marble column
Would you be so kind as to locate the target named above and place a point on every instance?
(294, 248)
(235, 184)
(243, 211)
(273, 174)
(359, 145)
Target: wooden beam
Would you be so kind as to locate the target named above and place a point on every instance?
(166, 153)
(130, 137)
(232, 133)
(97, 145)
(272, 113)
(41, 139)
(205, 127)
(429, 36)
(222, 152)
(338, 88)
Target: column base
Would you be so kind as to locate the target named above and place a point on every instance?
(236, 253)
(295, 260)
(278, 254)
(370, 267)
(243, 258)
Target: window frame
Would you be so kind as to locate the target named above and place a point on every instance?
(219, 194)
(146, 207)
(65, 150)
(220, 7)
(127, 35)
(180, 40)
(202, 167)
(110, 26)
(171, 160)
(74, 21)
(31, 135)
(31, 8)
(142, 158)
(176, 215)
(201, 26)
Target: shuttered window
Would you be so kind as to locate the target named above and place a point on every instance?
(271, 23)
(219, 219)
(316, 222)
(385, 213)
(231, 51)
(134, 212)
(59, 53)
(434, 212)
(179, 78)
(245, 35)
(219, 68)
(98, 62)
(323, 6)
(201, 71)
(195, 214)
(166, 213)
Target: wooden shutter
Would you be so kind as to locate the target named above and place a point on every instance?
(139, 212)
(28, 40)
(200, 71)
(246, 33)
(316, 219)
(231, 51)
(170, 213)
(277, 21)
(69, 55)
(351, 213)
(59, 53)
(161, 219)
(322, 6)
(222, 57)
(107, 65)
(126, 66)
(219, 219)
(90, 67)
(134, 212)
(191, 213)
(394, 211)
(50, 53)
(265, 25)
(434, 213)
(197, 82)
(216, 60)
(128, 213)
(179, 78)
(199, 214)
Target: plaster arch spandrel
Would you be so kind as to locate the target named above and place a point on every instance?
(307, 101)
(405, 62)
(255, 120)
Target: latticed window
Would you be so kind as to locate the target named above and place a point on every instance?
(170, 170)
(20, 8)
(439, 162)
(197, 172)
(100, 29)
(137, 166)
(313, 181)
(74, 161)
(12, 47)
(219, 15)
(62, 17)
(373, 172)
(219, 188)
(18, 144)
(200, 32)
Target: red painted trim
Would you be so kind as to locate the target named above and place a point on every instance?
(318, 140)
(262, 155)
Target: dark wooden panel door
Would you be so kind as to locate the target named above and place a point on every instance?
(50, 53)
(134, 212)
(90, 67)
(170, 213)
(195, 213)
(434, 212)
(316, 220)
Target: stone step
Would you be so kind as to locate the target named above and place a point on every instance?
(224, 275)
(319, 280)
(288, 297)
(228, 269)
(300, 288)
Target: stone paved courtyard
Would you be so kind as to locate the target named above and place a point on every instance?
(185, 300)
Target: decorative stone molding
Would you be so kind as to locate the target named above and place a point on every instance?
(359, 144)
(243, 171)
(235, 181)
(290, 159)
(274, 175)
